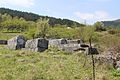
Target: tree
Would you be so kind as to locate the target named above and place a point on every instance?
(14, 24)
(42, 27)
(99, 26)
(6, 17)
(86, 32)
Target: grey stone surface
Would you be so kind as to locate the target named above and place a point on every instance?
(57, 42)
(37, 45)
(69, 47)
(77, 41)
(66, 45)
(16, 43)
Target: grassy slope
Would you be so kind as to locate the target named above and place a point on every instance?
(6, 36)
(50, 65)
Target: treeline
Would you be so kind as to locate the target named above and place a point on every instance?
(39, 28)
(42, 28)
(14, 24)
(34, 17)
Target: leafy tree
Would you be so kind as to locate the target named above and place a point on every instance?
(86, 32)
(14, 24)
(99, 26)
(6, 17)
(42, 27)
(62, 32)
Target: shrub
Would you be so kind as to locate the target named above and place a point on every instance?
(114, 31)
(99, 26)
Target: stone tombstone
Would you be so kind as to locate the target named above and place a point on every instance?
(37, 45)
(16, 43)
(69, 47)
(57, 42)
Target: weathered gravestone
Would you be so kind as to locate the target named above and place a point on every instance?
(57, 42)
(66, 45)
(16, 43)
(69, 47)
(37, 45)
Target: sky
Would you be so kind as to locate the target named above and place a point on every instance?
(88, 11)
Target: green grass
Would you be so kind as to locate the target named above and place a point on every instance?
(54, 64)
(26, 65)
(6, 36)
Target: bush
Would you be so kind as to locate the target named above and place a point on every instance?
(99, 26)
(114, 31)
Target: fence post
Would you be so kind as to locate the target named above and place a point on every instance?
(93, 62)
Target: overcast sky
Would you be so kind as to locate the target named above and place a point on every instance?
(78, 10)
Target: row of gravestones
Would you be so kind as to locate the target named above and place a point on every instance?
(19, 42)
(41, 44)
(66, 45)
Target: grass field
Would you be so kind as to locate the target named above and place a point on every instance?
(6, 36)
(49, 65)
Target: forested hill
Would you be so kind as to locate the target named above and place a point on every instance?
(33, 17)
(115, 23)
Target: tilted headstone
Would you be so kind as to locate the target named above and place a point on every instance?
(16, 43)
(37, 45)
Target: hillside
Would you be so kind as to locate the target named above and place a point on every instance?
(115, 23)
(61, 61)
(33, 17)
(49, 65)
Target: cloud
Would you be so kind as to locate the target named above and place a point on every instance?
(21, 3)
(95, 16)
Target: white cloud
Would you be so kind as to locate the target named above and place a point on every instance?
(84, 15)
(95, 16)
(22, 3)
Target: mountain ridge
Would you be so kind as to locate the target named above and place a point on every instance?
(29, 16)
(113, 23)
